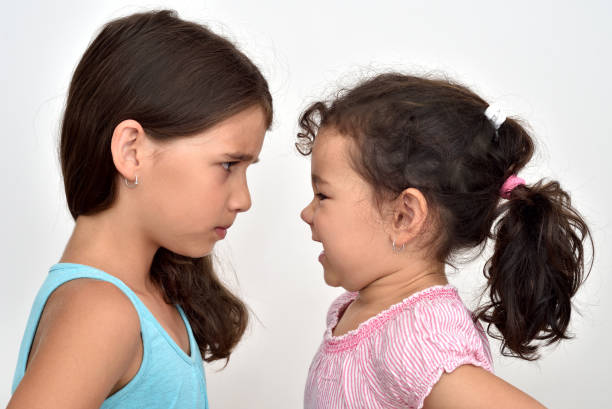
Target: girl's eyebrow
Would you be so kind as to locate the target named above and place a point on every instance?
(247, 157)
(318, 180)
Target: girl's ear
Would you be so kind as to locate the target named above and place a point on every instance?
(127, 145)
(409, 216)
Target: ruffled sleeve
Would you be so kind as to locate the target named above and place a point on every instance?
(420, 344)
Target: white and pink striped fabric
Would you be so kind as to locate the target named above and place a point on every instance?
(394, 359)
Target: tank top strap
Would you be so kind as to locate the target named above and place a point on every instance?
(59, 274)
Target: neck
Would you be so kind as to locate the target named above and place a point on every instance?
(112, 242)
(402, 283)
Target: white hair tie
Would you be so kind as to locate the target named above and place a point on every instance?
(496, 115)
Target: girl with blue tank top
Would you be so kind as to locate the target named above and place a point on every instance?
(162, 119)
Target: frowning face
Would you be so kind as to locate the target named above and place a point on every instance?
(194, 188)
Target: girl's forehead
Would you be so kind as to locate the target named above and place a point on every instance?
(330, 144)
(331, 157)
(240, 135)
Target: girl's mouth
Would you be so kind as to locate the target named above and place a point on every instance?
(221, 232)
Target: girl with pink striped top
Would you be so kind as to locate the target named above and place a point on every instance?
(407, 173)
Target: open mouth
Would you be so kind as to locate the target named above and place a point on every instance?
(322, 256)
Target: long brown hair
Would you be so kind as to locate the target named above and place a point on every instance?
(432, 134)
(176, 78)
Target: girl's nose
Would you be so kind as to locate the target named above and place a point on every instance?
(240, 200)
(306, 214)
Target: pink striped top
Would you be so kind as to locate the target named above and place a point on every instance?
(394, 359)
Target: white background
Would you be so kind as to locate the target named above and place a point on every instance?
(548, 62)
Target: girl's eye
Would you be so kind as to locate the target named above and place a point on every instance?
(321, 196)
(228, 165)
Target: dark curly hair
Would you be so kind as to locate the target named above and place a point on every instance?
(176, 78)
(431, 134)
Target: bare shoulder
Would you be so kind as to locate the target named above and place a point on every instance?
(88, 335)
(472, 387)
(89, 309)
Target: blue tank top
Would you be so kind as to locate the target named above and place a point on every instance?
(167, 377)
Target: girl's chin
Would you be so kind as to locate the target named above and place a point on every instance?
(330, 278)
(196, 251)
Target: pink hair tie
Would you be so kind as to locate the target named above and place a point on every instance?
(509, 185)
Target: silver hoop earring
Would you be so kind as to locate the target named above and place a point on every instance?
(395, 249)
(133, 186)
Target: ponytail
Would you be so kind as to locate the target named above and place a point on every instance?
(536, 268)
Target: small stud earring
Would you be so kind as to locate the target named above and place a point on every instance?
(395, 249)
(133, 185)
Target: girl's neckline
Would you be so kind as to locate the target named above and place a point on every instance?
(153, 319)
(364, 329)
